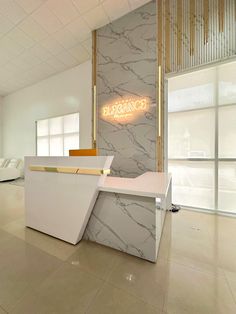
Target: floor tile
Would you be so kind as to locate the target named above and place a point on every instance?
(226, 255)
(222, 228)
(46, 243)
(2, 311)
(232, 284)
(67, 290)
(21, 268)
(142, 279)
(190, 243)
(186, 221)
(4, 236)
(222, 233)
(190, 291)
(95, 259)
(116, 301)
(194, 253)
(231, 279)
(195, 271)
(11, 203)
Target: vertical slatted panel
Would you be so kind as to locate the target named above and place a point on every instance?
(167, 37)
(191, 33)
(206, 21)
(179, 32)
(197, 32)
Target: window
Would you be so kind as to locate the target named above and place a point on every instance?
(56, 136)
(201, 138)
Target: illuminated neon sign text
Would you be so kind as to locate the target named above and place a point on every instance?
(126, 108)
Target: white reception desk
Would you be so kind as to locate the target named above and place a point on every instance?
(72, 198)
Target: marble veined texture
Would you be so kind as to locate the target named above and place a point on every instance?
(129, 223)
(126, 68)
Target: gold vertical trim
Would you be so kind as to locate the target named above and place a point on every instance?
(160, 62)
(159, 31)
(235, 11)
(221, 13)
(206, 20)
(192, 27)
(94, 94)
(160, 115)
(180, 31)
(167, 37)
(94, 116)
(159, 101)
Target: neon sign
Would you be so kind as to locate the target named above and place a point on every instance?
(125, 108)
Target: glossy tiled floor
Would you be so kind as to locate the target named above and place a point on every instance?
(195, 272)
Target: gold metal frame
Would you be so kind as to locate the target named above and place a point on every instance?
(159, 101)
(167, 36)
(160, 118)
(159, 90)
(221, 12)
(192, 27)
(206, 20)
(71, 170)
(94, 93)
(180, 31)
(159, 31)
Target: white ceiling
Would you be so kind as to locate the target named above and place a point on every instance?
(39, 38)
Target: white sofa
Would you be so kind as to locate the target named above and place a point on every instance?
(10, 169)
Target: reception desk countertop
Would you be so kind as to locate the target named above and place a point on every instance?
(150, 184)
(72, 198)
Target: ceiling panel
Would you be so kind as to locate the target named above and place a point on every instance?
(115, 9)
(67, 58)
(12, 11)
(56, 64)
(30, 5)
(79, 29)
(18, 36)
(87, 44)
(134, 4)
(39, 51)
(65, 10)
(33, 29)
(85, 6)
(96, 17)
(52, 45)
(80, 53)
(47, 19)
(40, 38)
(66, 38)
(5, 25)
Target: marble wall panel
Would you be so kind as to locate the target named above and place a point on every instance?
(126, 68)
(128, 223)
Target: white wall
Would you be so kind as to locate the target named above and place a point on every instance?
(64, 93)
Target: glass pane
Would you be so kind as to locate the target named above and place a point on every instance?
(42, 128)
(56, 125)
(56, 146)
(70, 142)
(227, 83)
(192, 90)
(191, 134)
(193, 183)
(71, 123)
(227, 132)
(43, 146)
(227, 186)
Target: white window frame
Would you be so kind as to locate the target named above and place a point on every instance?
(216, 158)
(49, 136)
